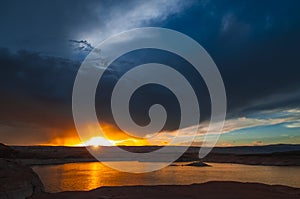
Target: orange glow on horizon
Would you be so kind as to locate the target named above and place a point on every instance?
(97, 141)
(117, 137)
(113, 137)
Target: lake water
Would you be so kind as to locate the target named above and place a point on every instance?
(87, 176)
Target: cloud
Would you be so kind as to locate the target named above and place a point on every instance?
(294, 124)
(133, 14)
(259, 65)
(36, 90)
(82, 45)
(262, 118)
(231, 25)
(257, 143)
(91, 21)
(285, 117)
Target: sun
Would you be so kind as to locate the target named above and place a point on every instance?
(97, 141)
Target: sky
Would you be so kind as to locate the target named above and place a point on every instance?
(255, 45)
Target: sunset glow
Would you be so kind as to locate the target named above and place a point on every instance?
(150, 99)
(96, 142)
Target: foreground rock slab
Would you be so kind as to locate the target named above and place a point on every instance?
(209, 190)
(18, 181)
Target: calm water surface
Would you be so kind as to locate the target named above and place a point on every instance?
(87, 176)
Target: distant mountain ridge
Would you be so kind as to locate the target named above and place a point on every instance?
(279, 154)
(265, 149)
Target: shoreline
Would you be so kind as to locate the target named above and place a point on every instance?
(23, 157)
(209, 190)
(46, 162)
(277, 155)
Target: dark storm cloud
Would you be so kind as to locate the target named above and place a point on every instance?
(47, 27)
(254, 44)
(82, 45)
(36, 90)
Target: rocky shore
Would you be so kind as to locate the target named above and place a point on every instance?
(18, 181)
(209, 190)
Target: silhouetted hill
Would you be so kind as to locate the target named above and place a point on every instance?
(280, 154)
(6, 151)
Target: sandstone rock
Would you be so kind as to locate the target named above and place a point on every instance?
(208, 190)
(197, 164)
(18, 181)
(6, 152)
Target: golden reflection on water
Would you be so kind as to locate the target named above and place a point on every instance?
(93, 176)
(87, 176)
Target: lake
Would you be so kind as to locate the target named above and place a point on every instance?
(87, 176)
